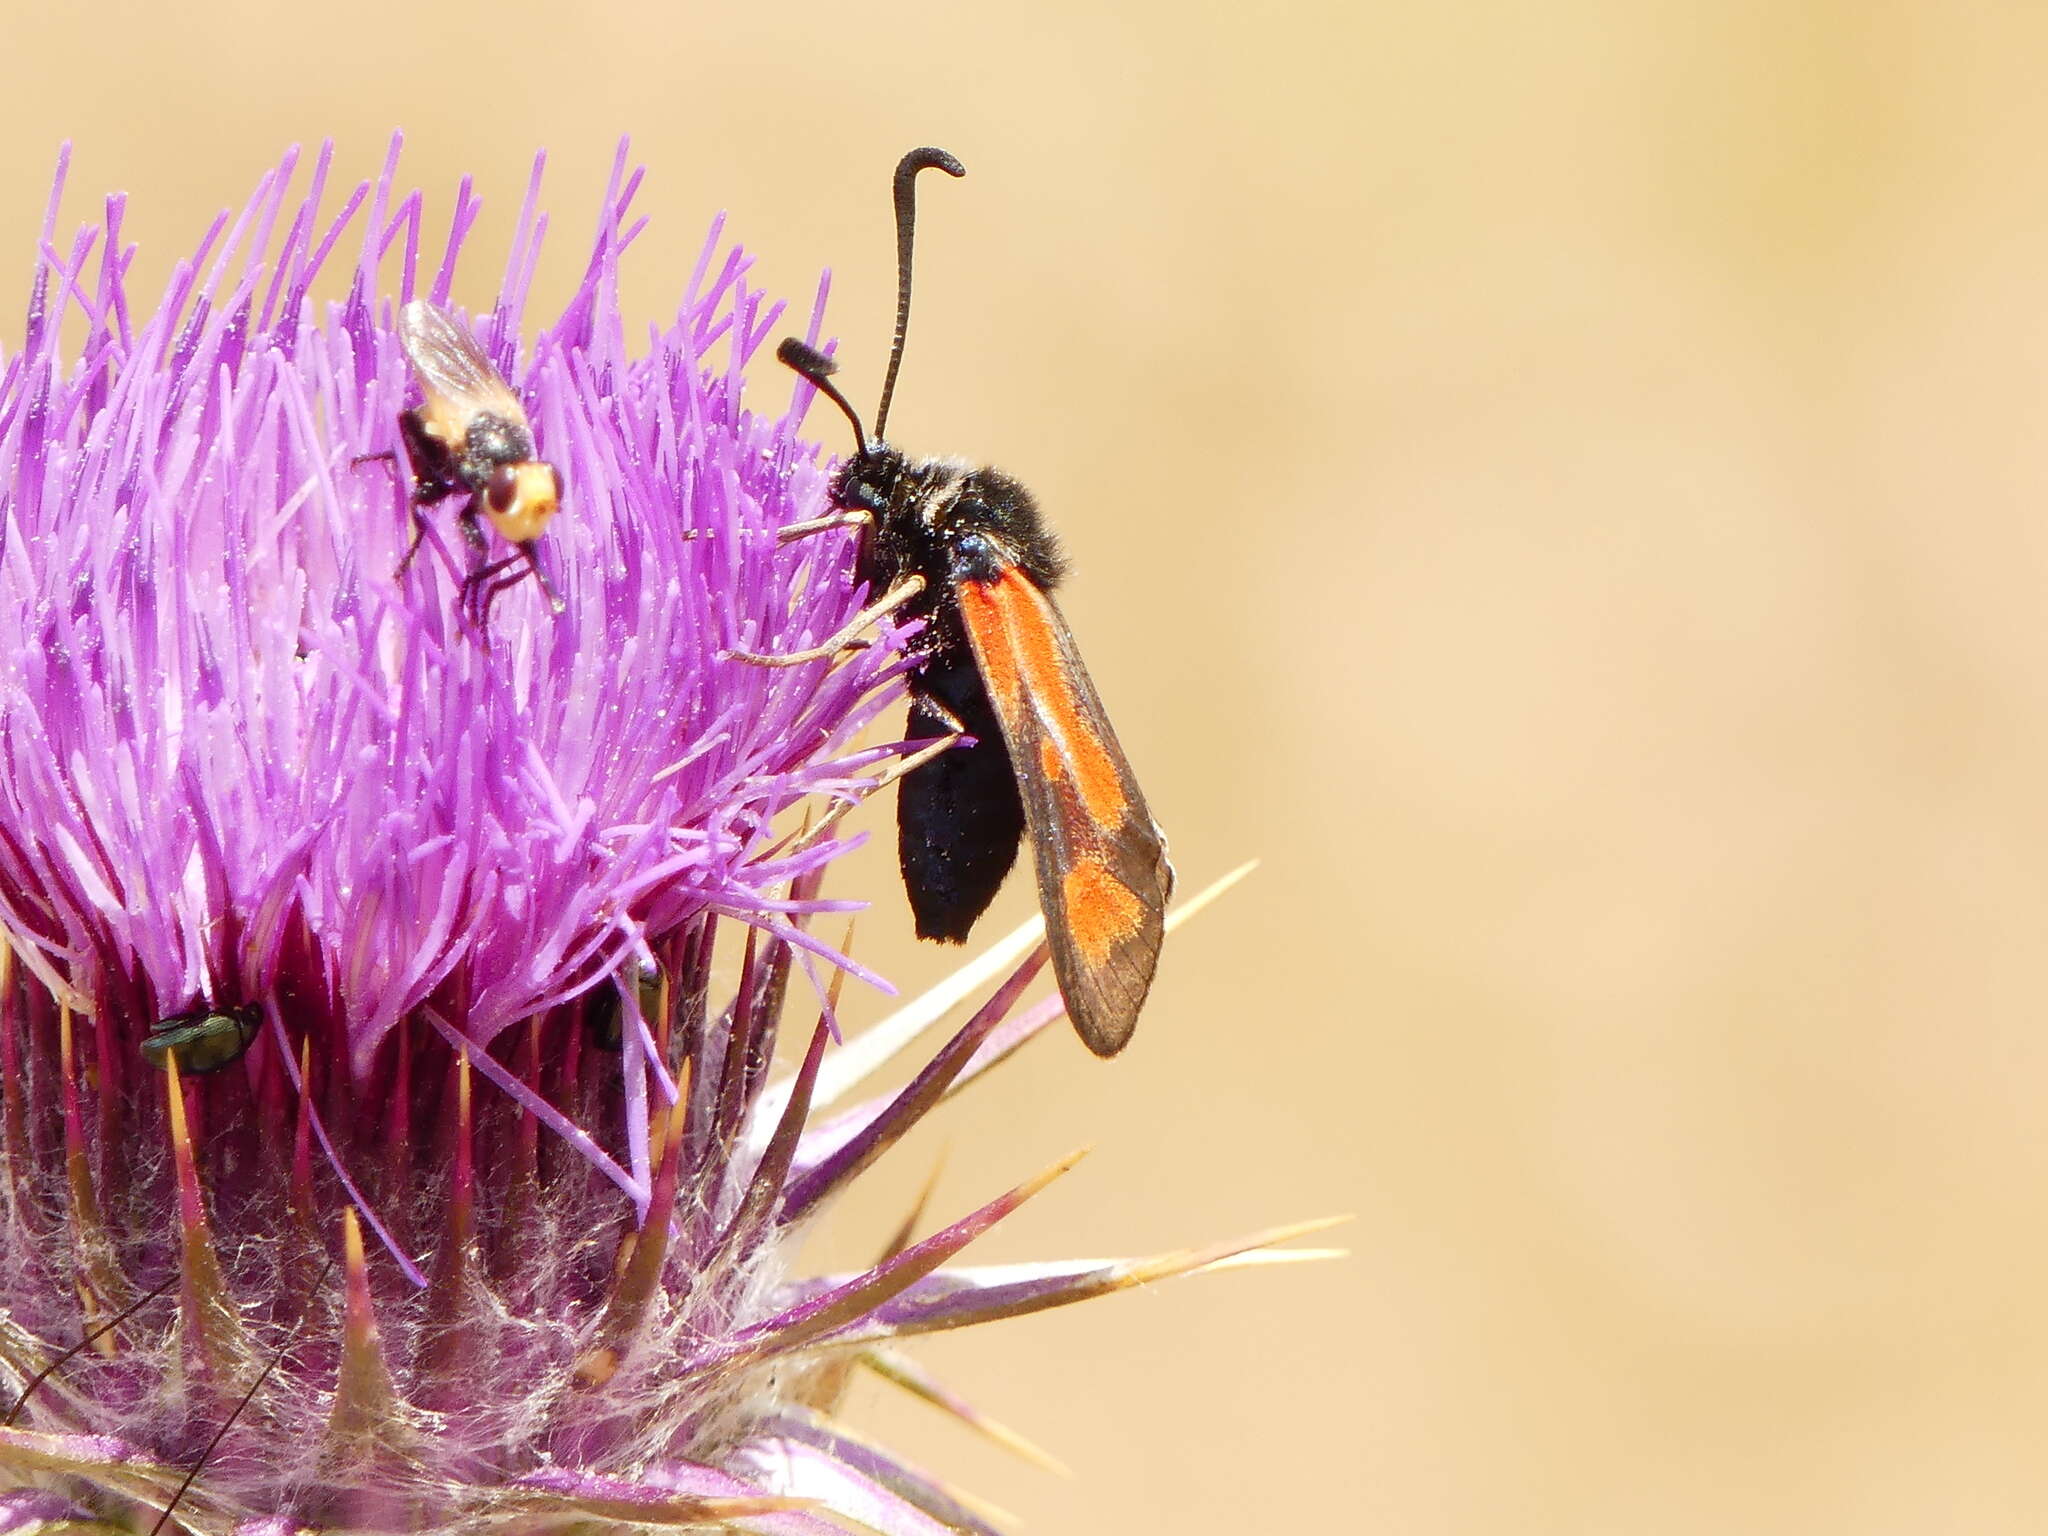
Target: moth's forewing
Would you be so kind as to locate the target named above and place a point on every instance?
(1103, 877)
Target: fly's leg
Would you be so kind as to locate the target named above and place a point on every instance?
(481, 588)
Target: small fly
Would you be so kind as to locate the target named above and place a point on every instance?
(470, 437)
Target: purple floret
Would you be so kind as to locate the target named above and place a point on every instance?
(226, 727)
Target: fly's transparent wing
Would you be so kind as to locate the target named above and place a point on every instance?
(460, 381)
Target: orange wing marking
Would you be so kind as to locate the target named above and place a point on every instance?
(1013, 607)
(978, 607)
(1101, 911)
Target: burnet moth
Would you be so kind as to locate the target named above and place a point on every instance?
(964, 549)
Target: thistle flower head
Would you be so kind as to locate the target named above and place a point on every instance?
(366, 1103)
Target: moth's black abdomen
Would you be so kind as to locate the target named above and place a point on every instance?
(959, 819)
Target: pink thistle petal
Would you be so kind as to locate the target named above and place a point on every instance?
(838, 1305)
(592, 1496)
(31, 1510)
(963, 1298)
(805, 1470)
(915, 1487)
(834, 1153)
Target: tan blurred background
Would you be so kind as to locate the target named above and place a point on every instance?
(1562, 484)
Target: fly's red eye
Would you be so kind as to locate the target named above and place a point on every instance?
(501, 488)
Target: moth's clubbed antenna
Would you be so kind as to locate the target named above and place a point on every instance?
(817, 369)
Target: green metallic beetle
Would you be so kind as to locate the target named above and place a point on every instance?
(203, 1040)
